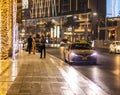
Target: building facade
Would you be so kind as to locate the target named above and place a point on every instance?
(53, 8)
(98, 20)
(43, 8)
(46, 10)
(83, 9)
(73, 7)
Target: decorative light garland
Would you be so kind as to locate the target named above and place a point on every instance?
(4, 31)
(5, 28)
(15, 30)
(0, 34)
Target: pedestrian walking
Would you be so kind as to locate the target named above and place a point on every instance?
(42, 47)
(29, 40)
(33, 46)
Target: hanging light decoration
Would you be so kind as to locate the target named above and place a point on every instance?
(5, 28)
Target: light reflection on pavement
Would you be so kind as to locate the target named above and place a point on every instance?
(106, 73)
(116, 71)
(36, 74)
(78, 82)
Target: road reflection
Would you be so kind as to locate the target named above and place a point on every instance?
(116, 71)
(79, 83)
(106, 73)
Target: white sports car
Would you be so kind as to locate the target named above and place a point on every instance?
(80, 53)
(114, 47)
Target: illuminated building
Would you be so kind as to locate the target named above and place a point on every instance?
(68, 7)
(43, 8)
(5, 28)
(8, 28)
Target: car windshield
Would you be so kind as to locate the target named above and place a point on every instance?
(81, 46)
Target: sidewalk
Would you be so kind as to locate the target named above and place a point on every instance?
(30, 75)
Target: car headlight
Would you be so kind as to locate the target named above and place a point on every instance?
(118, 47)
(73, 54)
(94, 54)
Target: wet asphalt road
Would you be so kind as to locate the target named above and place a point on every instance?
(106, 74)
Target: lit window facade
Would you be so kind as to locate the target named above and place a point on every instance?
(43, 8)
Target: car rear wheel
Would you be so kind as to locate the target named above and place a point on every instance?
(117, 51)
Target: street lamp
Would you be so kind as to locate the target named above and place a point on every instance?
(97, 20)
(95, 14)
(94, 17)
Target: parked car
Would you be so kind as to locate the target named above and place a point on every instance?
(80, 53)
(114, 47)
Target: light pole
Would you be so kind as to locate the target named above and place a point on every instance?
(106, 32)
(94, 18)
(98, 31)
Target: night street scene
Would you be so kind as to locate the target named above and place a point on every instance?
(59, 47)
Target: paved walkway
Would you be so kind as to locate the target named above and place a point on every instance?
(30, 75)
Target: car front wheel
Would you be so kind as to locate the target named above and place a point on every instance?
(116, 51)
(69, 60)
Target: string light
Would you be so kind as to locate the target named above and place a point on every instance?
(0, 34)
(5, 28)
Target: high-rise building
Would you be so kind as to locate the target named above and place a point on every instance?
(52, 8)
(57, 8)
(98, 20)
(114, 7)
(98, 6)
(73, 7)
(43, 8)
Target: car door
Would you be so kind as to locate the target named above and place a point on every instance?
(112, 47)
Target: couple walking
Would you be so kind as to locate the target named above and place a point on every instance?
(30, 41)
(42, 47)
(32, 45)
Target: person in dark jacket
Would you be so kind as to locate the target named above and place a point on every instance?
(29, 40)
(42, 47)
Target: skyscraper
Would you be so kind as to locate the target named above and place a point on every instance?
(43, 8)
(114, 8)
